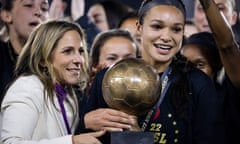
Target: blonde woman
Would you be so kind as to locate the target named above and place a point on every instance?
(40, 106)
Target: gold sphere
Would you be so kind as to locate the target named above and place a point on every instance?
(132, 86)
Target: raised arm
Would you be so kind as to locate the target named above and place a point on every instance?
(228, 48)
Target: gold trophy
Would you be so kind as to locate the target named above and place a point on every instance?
(132, 86)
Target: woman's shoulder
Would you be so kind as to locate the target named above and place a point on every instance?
(23, 89)
(199, 77)
(201, 84)
(31, 81)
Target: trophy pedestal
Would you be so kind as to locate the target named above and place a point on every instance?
(128, 137)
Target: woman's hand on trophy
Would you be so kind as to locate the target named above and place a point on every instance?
(108, 119)
(88, 138)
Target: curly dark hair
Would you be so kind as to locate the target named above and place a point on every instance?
(181, 95)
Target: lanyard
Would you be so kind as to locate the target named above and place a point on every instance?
(165, 85)
(61, 95)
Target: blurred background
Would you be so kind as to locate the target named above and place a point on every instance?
(135, 4)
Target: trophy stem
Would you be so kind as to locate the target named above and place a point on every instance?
(135, 127)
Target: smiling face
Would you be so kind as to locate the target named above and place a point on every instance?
(162, 33)
(225, 6)
(67, 58)
(25, 16)
(115, 49)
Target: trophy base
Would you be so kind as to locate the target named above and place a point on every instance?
(128, 137)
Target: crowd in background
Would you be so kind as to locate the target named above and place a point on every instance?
(55, 53)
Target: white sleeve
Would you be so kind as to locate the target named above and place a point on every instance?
(20, 111)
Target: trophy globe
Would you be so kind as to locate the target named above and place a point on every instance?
(132, 86)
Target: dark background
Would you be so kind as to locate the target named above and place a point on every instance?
(135, 4)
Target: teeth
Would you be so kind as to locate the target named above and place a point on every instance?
(162, 46)
(165, 47)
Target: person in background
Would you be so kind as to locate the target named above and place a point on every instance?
(106, 14)
(189, 29)
(20, 18)
(201, 50)
(227, 81)
(40, 106)
(236, 27)
(129, 23)
(74, 10)
(112, 46)
(227, 7)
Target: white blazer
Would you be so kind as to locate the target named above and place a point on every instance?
(26, 117)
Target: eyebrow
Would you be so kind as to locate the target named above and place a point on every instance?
(160, 21)
(96, 15)
(45, 1)
(112, 54)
